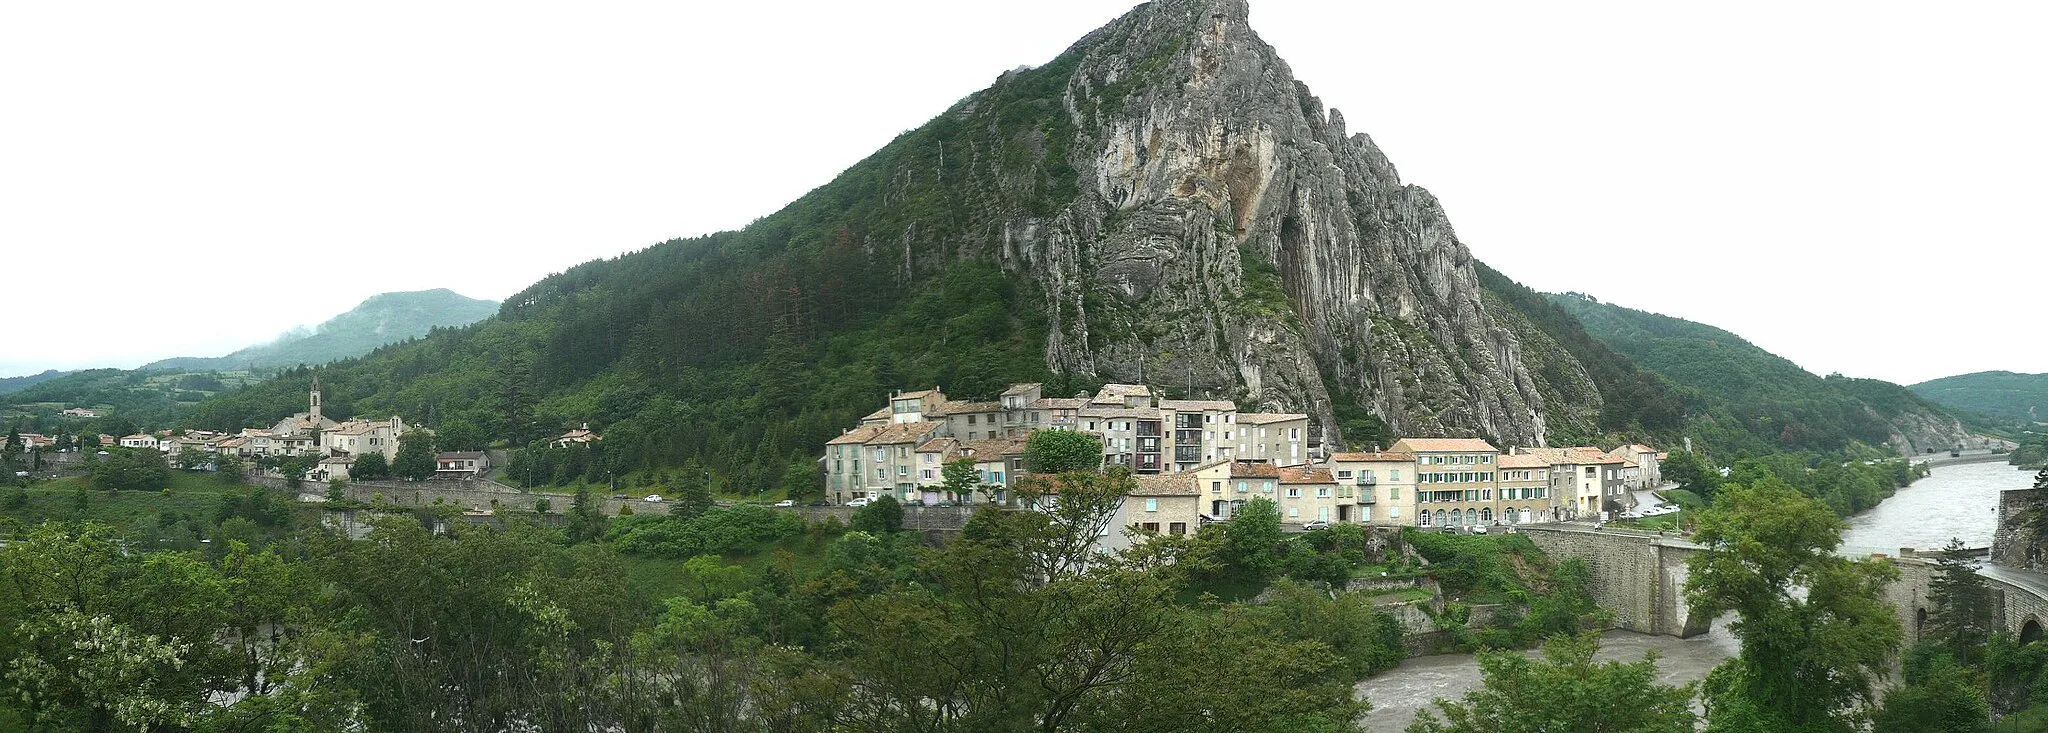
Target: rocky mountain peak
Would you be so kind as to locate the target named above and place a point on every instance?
(1227, 236)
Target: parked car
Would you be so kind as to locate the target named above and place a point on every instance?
(785, 503)
(1313, 525)
(1448, 529)
(656, 498)
(1660, 510)
(863, 501)
(820, 502)
(1479, 529)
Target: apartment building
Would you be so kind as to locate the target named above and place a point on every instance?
(1524, 490)
(1455, 481)
(1308, 494)
(1278, 438)
(1381, 485)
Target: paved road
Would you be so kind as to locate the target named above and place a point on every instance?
(2036, 582)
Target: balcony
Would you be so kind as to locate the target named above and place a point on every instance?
(1149, 429)
(1364, 480)
(1148, 445)
(1366, 497)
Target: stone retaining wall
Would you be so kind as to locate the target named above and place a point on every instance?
(1638, 576)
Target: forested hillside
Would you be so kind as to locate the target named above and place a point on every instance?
(1745, 398)
(2004, 398)
(1027, 234)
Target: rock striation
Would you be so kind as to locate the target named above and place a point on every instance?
(1225, 234)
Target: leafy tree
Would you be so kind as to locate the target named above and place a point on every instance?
(370, 466)
(960, 478)
(1071, 512)
(542, 505)
(802, 481)
(1938, 696)
(1690, 472)
(880, 517)
(337, 489)
(133, 470)
(459, 434)
(1254, 539)
(415, 460)
(1816, 630)
(1049, 452)
(1565, 692)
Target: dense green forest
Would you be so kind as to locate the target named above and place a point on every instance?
(747, 349)
(129, 399)
(1742, 398)
(2004, 399)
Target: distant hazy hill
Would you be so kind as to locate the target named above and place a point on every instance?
(16, 384)
(1746, 396)
(383, 319)
(2004, 396)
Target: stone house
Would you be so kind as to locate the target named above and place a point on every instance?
(461, 464)
(1308, 494)
(1380, 483)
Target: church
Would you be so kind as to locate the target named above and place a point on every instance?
(312, 433)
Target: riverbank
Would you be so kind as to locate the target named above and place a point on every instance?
(1958, 500)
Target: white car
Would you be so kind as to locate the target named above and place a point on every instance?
(1660, 510)
(1314, 525)
(786, 503)
(863, 501)
(656, 498)
(1479, 529)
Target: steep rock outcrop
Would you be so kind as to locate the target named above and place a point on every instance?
(1225, 234)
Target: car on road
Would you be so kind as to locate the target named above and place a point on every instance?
(1448, 529)
(655, 498)
(1313, 525)
(1660, 510)
(785, 503)
(863, 501)
(1479, 529)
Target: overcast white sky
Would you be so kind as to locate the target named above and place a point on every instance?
(1849, 184)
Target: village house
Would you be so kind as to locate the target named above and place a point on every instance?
(1307, 494)
(332, 467)
(1381, 485)
(1524, 489)
(575, 438)
(139, 440)
(461, 464)
(1160, 504)
(80, 412)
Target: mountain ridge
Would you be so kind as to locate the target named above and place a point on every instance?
(1746, 398)
(1997, 395)
(378, 320)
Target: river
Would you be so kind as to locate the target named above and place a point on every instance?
(1954, 501)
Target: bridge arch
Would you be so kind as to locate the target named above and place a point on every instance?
(2030, 631)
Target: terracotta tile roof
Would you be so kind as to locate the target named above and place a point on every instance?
(1166, 484)
(1636, 448)
(939, 445)
(993, 447)
(333, 460)
(1058, 403)
(881, 414)
(1305, 475)
(1444, 445)
(960, 407)
(578, 435)
(857, 435)
(922, 393)
(1247, 469)
(1191, 405)
(909, 432)
(1384, 456)
(1115, 393)
(234, 442)
(1262, 418)
(1017, 389)
(1523, 461)
(1143, 413)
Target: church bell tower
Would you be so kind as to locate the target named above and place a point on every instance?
(313, 414)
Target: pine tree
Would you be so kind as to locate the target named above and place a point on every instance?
(1961, 619)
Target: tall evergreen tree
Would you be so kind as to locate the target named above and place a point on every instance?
(1961, 619)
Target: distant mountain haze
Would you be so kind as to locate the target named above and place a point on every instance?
(382, 319)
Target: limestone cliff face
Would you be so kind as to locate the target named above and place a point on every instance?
(1227, 234)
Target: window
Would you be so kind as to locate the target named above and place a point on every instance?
(1294, 433)
(1394, 493)
(1485, 515)
(1343, 474)
(928, 458)
(1322, 491)
(1152, 505)
(970, 419)
(1226, 435)
(971, 435)
(1422, 519)
(1394, 475)
(1486, 494)
(927, 473)
(881, 473)
(1293, 492)
(1215, 487)
(1177, 528)
(902, 470)
(1269, 487)
(1294, 511)
(1152, 527)
(1240, 487)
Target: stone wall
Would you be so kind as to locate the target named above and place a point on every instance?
(1639, 577)
(2009, 546)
